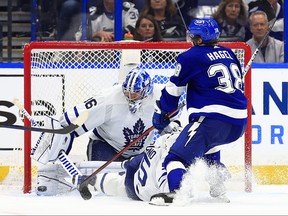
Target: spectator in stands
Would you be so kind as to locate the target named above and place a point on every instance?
(172, 27)
(69, 20)
(278, 28)
(184, 8)
(102, 22)
(147, 29)
(139, 4)
(203, 8)
(231, 16)
(272, 50)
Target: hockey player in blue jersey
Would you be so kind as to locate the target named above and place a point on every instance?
(216, 105)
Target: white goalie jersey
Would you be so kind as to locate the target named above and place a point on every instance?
(111, 120)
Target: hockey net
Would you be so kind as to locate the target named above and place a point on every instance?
(58, 75)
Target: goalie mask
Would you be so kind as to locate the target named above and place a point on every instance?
(137, 86)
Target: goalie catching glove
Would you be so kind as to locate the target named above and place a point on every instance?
(49, 145)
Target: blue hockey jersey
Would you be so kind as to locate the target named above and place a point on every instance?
(213, 80)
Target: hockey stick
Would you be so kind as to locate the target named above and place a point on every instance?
(74, 125)
(181, 15)
(267, 8)
(83, 188)
(66, 163)
(65, 130)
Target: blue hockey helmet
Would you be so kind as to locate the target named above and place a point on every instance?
(137, 86)
(206, 28)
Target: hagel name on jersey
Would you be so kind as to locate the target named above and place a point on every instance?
(221, 54)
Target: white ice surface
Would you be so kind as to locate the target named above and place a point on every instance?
(264, 200)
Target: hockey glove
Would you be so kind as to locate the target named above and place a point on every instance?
(173, 127)
(160, 121)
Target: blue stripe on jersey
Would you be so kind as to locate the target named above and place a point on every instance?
(163, 177)
(102, 183)
(76, 111)
(67, 118)
(98, 135)
(84, 128)
(75, 134)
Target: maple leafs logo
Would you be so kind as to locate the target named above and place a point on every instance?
(131, 135)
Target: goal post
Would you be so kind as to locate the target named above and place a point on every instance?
(58, 75)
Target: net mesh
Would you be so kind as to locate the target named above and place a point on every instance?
(63, 77)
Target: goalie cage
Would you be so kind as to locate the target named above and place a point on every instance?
(58, 75)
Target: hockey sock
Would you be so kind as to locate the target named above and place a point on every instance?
(175, 170)
(213, 158)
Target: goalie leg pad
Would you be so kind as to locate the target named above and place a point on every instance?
(49, 145)
(51, 181)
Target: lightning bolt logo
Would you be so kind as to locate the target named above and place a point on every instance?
(192, 130)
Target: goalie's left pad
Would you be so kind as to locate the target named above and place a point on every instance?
(49, 145)
(51, 180)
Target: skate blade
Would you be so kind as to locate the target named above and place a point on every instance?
(158, 201)
(223, 198)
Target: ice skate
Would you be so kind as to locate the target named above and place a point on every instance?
(162, 199)
(218, 191)
(216, 177)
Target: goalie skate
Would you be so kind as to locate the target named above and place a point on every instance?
(162, 199)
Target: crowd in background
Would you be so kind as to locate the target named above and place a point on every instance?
(167, 20)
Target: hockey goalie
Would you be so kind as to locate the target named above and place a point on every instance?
(117, 116)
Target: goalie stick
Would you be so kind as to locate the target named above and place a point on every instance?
(66, 163)
(268, 9)
(83, 187)
(74, 125)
